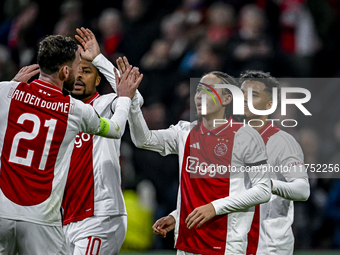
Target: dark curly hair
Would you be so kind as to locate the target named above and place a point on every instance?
(269, 81)
(56, 51)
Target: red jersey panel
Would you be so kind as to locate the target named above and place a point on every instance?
(204, 173)
(36, 127)
(254, 233)
(78, 202)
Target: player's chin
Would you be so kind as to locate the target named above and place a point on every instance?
(78, 94)
(248, 114)
(78, 90)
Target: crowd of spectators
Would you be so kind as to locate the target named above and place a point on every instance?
(172, 41)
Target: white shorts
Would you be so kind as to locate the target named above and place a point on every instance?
(27, 238)
(96, 235)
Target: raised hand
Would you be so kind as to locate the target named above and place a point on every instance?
(89, 43)
(127, 84)
(122, 64)
(164, 225)
(26, 73)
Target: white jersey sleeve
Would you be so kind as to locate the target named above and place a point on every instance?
(106, 68)
(174, 214)
(249, 154)
(296, 190)
(293, 182)
(90, 121)
(91, 124)
(119, 118)
(7, 85)
(163, 141)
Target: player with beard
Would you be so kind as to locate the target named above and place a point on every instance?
(271, 231)
(215, 204)
(38, 123)
(94, 216)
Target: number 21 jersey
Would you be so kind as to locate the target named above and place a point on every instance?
(37, 125)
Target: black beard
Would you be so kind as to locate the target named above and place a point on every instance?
(79, 97)
(69, 83)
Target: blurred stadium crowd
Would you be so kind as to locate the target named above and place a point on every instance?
(175, 40)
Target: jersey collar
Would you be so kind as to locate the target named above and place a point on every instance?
(267, 128)
(47, 86)
(91, 99)
(215, 131)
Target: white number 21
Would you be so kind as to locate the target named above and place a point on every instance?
(27, 161)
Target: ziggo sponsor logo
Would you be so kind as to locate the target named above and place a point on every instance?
(80, 138)
(193, 166)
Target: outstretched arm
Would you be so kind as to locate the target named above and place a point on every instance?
(91, 52)
(162, 141)
(126, 89)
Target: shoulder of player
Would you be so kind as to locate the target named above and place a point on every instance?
(106, 99)
(78, 105)
(183, 125)
(284, 142)
(9, 84)
(246, 132)
(282, 137)
(107, 96)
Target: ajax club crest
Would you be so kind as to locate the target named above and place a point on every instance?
(220, 149)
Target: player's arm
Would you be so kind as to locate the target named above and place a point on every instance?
(91, 52)
(114, 127)
(163, 141)
(296, 189)
(290, 158)
(249, 147)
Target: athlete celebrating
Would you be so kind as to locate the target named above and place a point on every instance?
(94, 215)
(38, 125)
(271, 231)
(214, 211)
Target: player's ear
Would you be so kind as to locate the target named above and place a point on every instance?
(226, 99)
(269, 105)
(64, 72)
(98, 80)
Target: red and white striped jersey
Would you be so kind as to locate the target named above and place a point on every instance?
(232, 193)
(95, 170)
(95, 165)
(271, 231)
(37, 125)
